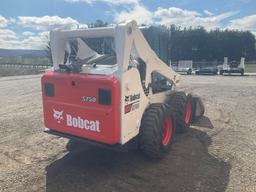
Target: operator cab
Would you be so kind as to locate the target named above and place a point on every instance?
(90, 55)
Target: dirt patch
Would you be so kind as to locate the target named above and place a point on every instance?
(101, 170)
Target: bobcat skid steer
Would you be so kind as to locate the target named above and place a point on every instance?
(108, 87)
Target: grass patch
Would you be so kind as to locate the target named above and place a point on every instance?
(250, 68)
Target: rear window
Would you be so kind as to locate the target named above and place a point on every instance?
(90, 51)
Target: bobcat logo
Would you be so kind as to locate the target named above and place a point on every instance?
(127, 98)
(58, 115)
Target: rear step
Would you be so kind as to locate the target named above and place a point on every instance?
(132, 144)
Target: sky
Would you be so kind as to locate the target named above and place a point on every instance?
(25, 24)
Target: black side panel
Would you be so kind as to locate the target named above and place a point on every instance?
(197, 108)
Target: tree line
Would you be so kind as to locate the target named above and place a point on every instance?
(195, 43)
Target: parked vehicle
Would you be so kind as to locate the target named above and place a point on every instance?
(233, 67)
(207, 70)
(183, 66)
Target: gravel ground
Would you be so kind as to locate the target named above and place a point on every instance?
(217, 154)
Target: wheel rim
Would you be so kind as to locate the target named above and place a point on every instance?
(187, 111)
(167, 134)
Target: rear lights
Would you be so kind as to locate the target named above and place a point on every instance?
(127, 108)
(104, 96)
(49, 89)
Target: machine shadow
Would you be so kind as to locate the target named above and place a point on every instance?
(188, 167)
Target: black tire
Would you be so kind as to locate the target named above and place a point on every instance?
(221, 72)
(189, 72)
(179, 101)
(152, 136)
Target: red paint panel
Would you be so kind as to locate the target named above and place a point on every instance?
(67, 112)
(127, 108)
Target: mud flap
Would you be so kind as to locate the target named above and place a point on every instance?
(197, 108)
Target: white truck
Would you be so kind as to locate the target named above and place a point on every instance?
(233, 67)
(183, 66)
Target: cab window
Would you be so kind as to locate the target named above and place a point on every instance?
(160, 83)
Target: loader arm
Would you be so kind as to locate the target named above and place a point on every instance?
(130, 37)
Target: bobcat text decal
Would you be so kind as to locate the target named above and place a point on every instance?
(135, 99)
(130, 98)
(77, 122)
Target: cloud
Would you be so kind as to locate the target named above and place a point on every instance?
(208, 13)
(11, 20)
(7, 34)
(3, 21)
(29, 43)
(245, 23)
(36, 41)
(28, 40)
(187, 18)
(28, 33)
(172, 15)
(113, 2)
(47, 22)
(139, 13)
(39, 34)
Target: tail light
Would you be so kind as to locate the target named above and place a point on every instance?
(104, 96)
(128, 108)
(49, 89)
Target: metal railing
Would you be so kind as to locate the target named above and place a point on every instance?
(198, 64)
(25, 66)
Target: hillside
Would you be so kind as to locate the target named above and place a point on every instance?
(21, 52)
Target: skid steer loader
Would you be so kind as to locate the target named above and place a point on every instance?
(108, 87)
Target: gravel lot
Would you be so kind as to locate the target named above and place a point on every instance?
(218, 154)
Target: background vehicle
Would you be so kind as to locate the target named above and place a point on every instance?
(233, 67)
(183, 66)
(109, 88)
(207, 70)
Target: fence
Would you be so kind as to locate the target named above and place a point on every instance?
(198, 64)
(25, 66)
